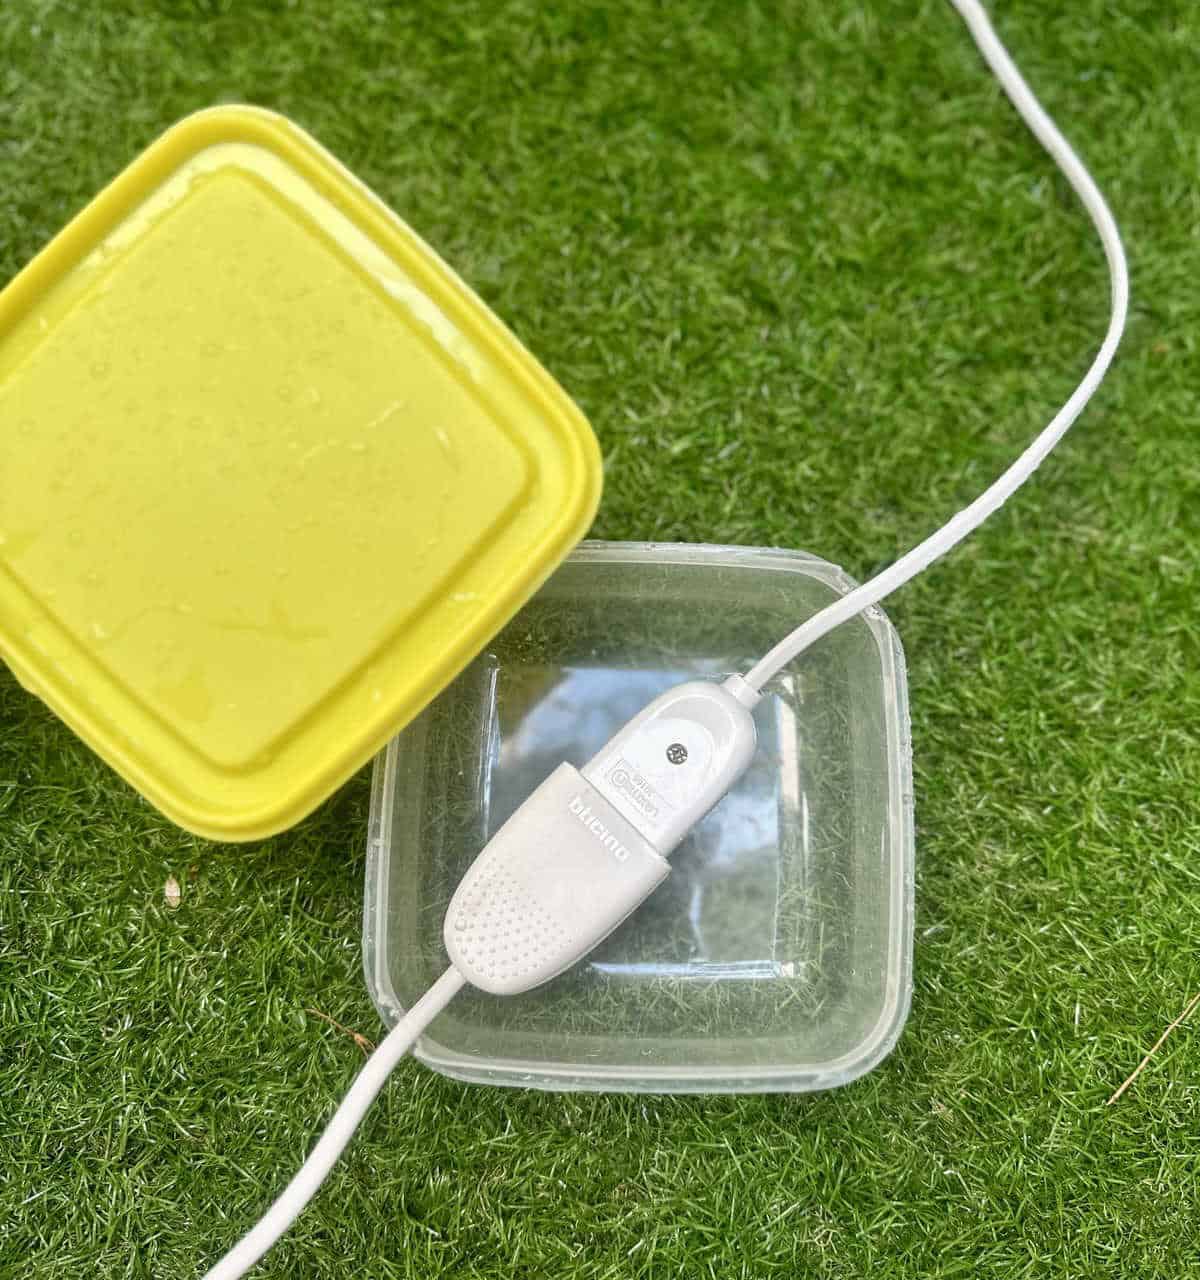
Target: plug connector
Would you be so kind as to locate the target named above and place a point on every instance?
(557, 877)
(588, 847)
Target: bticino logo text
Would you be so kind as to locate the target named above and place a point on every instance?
(585, 815)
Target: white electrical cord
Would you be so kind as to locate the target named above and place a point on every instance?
(970, 518)
(339, 1131)
(582, 851)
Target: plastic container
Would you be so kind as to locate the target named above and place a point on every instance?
(777, 955)
(270, 474)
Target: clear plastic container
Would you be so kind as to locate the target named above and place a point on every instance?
(777, 955)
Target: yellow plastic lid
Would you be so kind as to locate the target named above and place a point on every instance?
(270, 474)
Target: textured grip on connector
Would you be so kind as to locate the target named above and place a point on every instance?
(555, 880)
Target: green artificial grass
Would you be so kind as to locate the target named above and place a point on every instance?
(814, 285)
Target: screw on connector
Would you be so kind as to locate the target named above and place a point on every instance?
(677, 753)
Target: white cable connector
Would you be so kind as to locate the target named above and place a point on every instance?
(588, 846)
(583, 851)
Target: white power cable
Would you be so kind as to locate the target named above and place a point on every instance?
(611, 890)
(340, 1130)
(970, 518)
